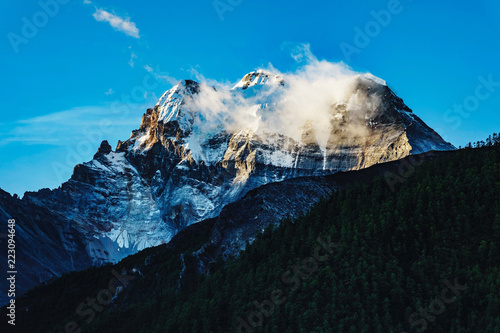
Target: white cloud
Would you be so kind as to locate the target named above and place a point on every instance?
(87, 2)
(313, 95)
(302, 53)
(109, 92)
(161, 76)
(132, 57)
(69, 127)
(121, 24)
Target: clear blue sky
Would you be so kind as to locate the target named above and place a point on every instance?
(59, 81)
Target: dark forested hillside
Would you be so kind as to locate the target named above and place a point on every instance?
(422, 254)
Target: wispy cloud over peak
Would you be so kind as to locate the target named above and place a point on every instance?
(161, 76)
(121, 24)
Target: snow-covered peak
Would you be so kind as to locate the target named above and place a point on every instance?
(259, 77)
(184, 87)
(169, 104)
(193, 114)
(372, 78)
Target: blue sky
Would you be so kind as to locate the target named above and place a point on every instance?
(74, 72)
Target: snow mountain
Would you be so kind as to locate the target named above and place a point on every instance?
(202, 147)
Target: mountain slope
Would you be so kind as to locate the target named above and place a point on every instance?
(395, 254)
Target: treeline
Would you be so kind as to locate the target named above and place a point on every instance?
(490, 141)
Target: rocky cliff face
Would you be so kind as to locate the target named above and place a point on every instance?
(187, 160)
